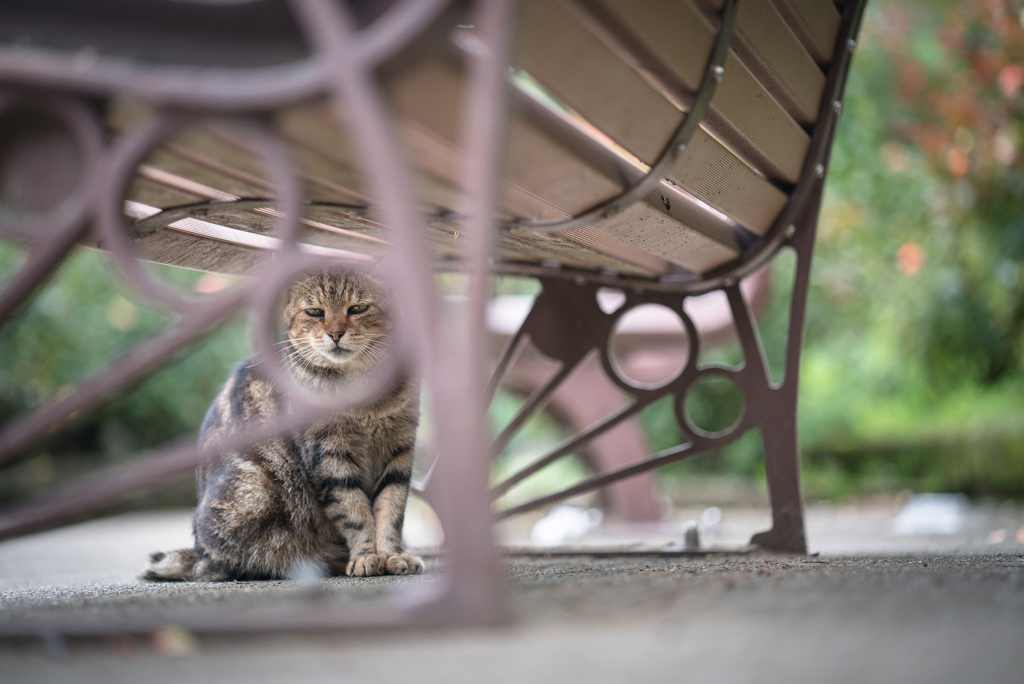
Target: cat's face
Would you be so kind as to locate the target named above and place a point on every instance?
(336, 321)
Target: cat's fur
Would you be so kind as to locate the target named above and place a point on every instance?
(333, 495)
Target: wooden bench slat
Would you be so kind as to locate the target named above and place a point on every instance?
(546, 169)
(224, 245)
(202, 254)
(595, 149)
(153, 194)
(441, 159)
(815, 23)
(313, 128)
(676, 39)
(442, 165)
(164, 162)
(647, 229)
(538, 166)
(774, 55)
(583, 73)
(546, 179)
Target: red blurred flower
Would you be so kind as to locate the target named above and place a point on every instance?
(1010, 80)
(910, 258)
(957, 162)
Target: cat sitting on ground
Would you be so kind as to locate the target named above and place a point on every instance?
(334, 494)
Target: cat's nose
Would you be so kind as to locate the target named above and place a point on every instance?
(336, 335)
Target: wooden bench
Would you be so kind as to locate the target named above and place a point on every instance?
(662, 150)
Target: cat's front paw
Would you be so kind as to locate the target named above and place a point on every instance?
(365, 566)
(404, 564)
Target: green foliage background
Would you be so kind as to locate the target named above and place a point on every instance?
(83, 321)
(912, 377)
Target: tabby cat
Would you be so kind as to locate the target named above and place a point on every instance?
(334, 494)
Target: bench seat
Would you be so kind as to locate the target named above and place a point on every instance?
(599, 87)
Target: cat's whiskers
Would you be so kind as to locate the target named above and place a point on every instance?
(377, 357)
(299, 360)
(294, 362)
(293, 354)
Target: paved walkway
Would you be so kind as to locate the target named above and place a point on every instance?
(872, 607)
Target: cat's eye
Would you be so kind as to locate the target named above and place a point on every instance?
(315, 313)
(358, 308)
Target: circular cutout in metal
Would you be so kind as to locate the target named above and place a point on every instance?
(47, 147)
(321, 349)
(649, 346)
(155, 175)
(714, 406)
(40, 163)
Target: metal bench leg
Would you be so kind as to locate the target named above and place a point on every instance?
(566, 325)
(779, 422)
(782, 467)
(773, 412)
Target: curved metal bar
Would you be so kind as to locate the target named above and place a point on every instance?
(572, 444)
(746, 380)
(781, 232)
(110, 485)
(126, 157)
(211, 89)
(21, 432)
(357, 101)
(473, 579)
(43, 258)
(678, 453)
(305, 401)
(689, 369)
(570, 129)
(815, 166)
(51, 234)
(676, 144)
(87, 131)
(603, 479)
(216, 89)
(392, 31)
(535, 402)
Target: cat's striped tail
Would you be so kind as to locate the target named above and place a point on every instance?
(172, 566)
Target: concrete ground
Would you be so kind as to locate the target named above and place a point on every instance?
(872, 606)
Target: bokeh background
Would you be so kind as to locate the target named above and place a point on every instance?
(913, 374)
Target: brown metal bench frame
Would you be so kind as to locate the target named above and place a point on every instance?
(565, 323)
